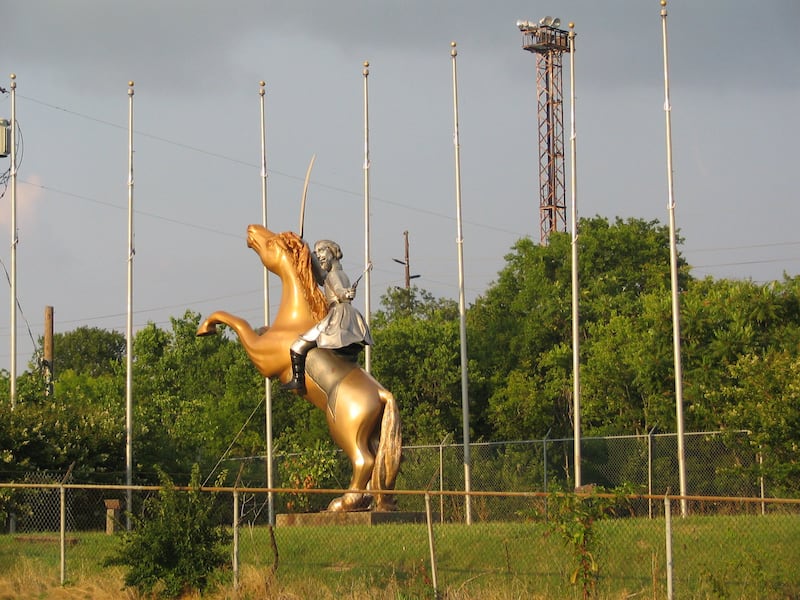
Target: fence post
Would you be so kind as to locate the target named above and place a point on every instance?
(544, 462)
(441, 477)
(650, 445)
(62, 541)
(236, 527)
(760, 460)
(668, 537)
(431, 545)
(113, 506)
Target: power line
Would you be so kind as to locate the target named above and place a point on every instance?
(253, 165)
(748, 247)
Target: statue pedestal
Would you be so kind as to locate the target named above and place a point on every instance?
(322, 519)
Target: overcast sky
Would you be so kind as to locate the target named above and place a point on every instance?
(735, 92)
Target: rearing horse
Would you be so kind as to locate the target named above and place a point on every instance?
(362, 415)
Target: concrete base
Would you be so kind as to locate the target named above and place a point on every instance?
(321, 519)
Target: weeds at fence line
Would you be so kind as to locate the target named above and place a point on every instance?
(574, 518)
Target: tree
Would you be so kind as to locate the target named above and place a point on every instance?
(521, 329)
(193, 397)
(88, 350)
(79, 424)
(764, 398)
(417, 357)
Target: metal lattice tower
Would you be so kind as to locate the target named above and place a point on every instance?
(548, 43)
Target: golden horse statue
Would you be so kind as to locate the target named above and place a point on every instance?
(362, 415)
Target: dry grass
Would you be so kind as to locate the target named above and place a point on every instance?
(22, 583)
(26, 581)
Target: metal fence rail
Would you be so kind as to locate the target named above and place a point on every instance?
(519, 546)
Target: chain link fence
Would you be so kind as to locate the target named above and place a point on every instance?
(717, 464)
(544, 546)
(727, 540)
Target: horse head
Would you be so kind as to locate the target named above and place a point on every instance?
(262, 241)
(289, 257)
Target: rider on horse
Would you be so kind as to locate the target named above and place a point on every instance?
(343, 328)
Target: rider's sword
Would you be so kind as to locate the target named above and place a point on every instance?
(369, 268)
(305, 193)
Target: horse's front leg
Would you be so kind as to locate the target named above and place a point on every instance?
(207, 327)
(239, 325)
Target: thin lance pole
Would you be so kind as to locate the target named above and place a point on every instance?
(267, 384)
(305, 195)
(367, 256)
(461, 300)
(129, 325)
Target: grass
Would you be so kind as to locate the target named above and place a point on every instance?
(728, 557)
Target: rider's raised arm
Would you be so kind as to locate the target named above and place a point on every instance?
(339, 283)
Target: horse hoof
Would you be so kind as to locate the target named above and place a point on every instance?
(206, 329)
(385, 504)
(350, 503)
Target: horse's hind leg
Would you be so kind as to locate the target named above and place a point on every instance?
(362, 459)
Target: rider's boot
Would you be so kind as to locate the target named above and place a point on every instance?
(298, 381)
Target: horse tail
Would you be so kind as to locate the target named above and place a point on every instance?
(387, 458)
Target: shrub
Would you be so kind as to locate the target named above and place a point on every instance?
(175, 546)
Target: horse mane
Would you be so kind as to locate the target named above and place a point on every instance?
(300, 254)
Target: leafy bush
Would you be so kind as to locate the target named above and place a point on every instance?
(175, 546)
(574, 517)
(308, 469)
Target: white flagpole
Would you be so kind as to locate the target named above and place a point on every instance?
(673, 261)
(461, 301)
(576, 340)
(14, 242)
(267, 383)
(129, 323)
(367, 252)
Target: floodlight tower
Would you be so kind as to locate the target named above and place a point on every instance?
(548, 42)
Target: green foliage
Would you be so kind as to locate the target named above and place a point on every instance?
(79, 424)
(88, 350)
(197, 399)
(176, 544)
(521, 330)
(574, 518)
(764, 397)
(419, 361)
(307, 468)
(194, 394)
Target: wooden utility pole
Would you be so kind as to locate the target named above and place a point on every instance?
(47, 359)
(406, 263)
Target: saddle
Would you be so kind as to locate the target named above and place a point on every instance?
(328, 368)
